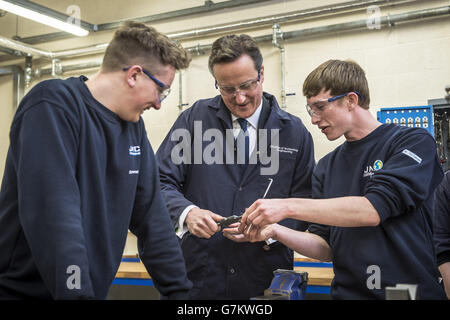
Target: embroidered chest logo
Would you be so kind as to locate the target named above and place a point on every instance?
(370, 169)
(134, 150)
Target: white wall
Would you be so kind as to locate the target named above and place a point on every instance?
(405, 65)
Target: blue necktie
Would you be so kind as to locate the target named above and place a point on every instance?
(243, 124)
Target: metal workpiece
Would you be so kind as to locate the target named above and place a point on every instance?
(237, 218)
(226, 222)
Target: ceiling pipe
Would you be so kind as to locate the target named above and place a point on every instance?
(19, 76)
(389, 20)
(287, 17)
(209, 6)
(80, 51)
(37, 73)
(386, 21)
(203, 49)
(11, 52)
(246, 24)
(99, 48)
(18, 46)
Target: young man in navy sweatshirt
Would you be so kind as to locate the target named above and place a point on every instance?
(80, 172)
(373, 195)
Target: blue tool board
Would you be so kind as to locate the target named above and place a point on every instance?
(417, 116)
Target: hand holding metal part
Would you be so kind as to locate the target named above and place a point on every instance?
(224, 223)
(202, 223)
(237, 218)
(239, 236)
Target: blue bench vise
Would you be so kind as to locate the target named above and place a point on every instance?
(286, 285)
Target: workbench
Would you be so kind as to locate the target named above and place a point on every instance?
(320, 274)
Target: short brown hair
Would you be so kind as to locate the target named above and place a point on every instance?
(136, 43)
(230, 47)
(339, 77)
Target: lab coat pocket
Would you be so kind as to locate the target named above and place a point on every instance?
(195, 254)
(282, 177)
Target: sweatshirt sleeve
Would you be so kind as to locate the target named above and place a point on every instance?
(173, 171)
(44, 147)
(158, 245)
(441, 222)
(407, 178)
(317, 193)
(304, 166)
(301, 183)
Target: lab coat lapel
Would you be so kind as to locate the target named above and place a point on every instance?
(224, 114)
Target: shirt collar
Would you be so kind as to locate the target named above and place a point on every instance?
(254, 118)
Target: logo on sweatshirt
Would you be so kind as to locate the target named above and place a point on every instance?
(377, 165)
(134, 150)
(370, 169)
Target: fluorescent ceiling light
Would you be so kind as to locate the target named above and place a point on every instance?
(42, 18)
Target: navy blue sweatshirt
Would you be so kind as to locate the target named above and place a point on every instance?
(442, 220)
(397, 170)
(77, 178)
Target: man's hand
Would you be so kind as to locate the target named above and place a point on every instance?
(263, 212)
(252, 234)
(232, 233)
(202, 223)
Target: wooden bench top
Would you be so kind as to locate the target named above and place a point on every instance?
(319, 276)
